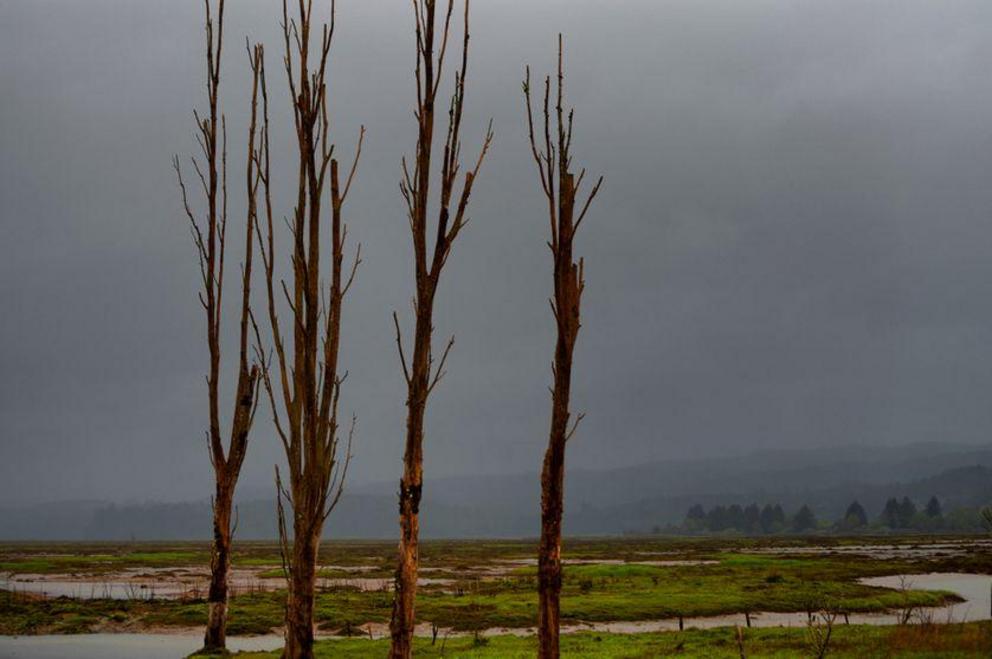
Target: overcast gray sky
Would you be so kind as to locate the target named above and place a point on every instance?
(793, 246)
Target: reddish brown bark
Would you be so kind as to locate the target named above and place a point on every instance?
(300, 602)
(307, 388)
(421, 373)
(215, 636)
(553, 163)
(209, 237)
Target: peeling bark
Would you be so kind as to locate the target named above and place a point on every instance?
(215, 637)
(300, 608)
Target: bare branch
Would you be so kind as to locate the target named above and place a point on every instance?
(338, 482)
(399, 347)
(592, 195)
(354, 163)
(439, 371)
(575, 426)
(354, 269)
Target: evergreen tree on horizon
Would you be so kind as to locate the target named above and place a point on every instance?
(804, 520)
(767, 519)
(907, 511)
(890, 514)
(752, 519)
(855, 516)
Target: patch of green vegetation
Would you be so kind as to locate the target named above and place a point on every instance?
(337, 573)
(592, 593)
(611, 571)
(23, 615)
(737, 584)
(739, 581)
(56, 563)
(849, 642)
(96, 562)
(258, 561)
(164, 558)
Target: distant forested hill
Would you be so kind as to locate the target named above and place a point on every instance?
(634, 499)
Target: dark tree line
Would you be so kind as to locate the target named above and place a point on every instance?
(771, 518)
(750, 519)
(905, 515)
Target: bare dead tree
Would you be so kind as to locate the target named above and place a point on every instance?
(561, 187)
(819, 632)
(421, 373)
(306, 388)
(209, 237)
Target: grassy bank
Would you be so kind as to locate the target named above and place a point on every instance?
(957, 641)
(454, 556)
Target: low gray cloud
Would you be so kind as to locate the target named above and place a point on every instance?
(792, 247)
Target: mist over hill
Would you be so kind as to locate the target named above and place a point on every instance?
(632, 499)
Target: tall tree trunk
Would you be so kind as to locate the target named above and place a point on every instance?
(422, 375)
(215, 637)
(567, 291)
(560, 187)
(552, 508)
(300, 609)
(411, 488)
